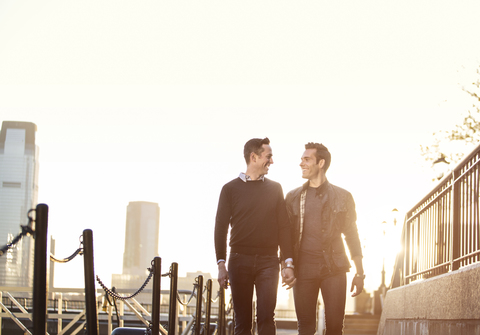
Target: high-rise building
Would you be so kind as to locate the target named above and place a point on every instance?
(141, 236)
(18, 194)
(141, 244)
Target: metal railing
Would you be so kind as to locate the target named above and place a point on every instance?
(442, 232)
(33, 320)
(67, 316)
(32, 311)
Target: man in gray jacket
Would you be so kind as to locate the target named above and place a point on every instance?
(321, 213)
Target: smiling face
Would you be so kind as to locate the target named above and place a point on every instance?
(265, 159)
(310, 167)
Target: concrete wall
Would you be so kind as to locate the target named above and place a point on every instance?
(447, 304)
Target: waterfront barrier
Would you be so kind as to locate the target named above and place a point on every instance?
(39, 232)
(192, 325)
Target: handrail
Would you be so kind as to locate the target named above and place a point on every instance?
(441, 233)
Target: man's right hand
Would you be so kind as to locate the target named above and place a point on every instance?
(288, 278)
(223, 275)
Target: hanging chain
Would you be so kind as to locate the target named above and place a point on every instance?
(79, 251)
(26, 230)
(117, 296)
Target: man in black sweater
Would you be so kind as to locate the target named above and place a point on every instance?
(254, 207)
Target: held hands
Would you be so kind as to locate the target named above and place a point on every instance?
(288, 278)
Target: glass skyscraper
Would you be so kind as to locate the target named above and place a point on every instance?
(18, 194)
(141, 237)
(141, 246)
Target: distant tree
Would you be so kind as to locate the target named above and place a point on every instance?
(454, 144)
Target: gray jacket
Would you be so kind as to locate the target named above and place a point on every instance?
(339, 218)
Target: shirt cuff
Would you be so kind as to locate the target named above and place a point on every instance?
(289, 260)
(220, 260)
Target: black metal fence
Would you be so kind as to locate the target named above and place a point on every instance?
(442, 232)
(40, 305)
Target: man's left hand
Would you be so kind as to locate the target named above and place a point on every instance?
(288, 278)
(357, 283)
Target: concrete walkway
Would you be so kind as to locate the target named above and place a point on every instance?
(286, 331)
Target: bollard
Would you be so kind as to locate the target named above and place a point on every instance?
(208, 307)
(221, 324)
(157, 276)
(172, 310)
(39, 318)
(198, 309)
(89, 274)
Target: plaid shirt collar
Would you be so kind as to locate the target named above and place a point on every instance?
(246, 178)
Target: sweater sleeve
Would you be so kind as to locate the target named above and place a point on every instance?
(285, 228)
(222, 221)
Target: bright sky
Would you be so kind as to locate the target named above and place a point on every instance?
(154, 100)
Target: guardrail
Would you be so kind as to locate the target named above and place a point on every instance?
(39, 311)
(67, 307)
(441, 233)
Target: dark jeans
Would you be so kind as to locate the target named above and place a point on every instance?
(311, 278)
(245, 272)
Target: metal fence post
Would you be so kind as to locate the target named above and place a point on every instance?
(89, 274)
(407, 249)
(208, 307)
(221, 324)
(39, 318)
(198, 309)
(172, 313)
(456, 221)
(156, 291)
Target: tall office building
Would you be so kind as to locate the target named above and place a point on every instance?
(18, 194)
(141, 245)
(141, 236)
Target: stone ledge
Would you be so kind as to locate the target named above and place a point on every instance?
(446, 298)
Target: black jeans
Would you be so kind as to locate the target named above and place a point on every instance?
(311, 278)
(246, 272)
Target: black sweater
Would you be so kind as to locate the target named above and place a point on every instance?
(257, 214)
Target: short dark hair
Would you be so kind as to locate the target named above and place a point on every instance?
(254, 145)
(321, 153)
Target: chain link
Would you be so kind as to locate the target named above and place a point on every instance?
(26, 230)
(119, 297)
(79, 251)
(185, 303)
(214, 300)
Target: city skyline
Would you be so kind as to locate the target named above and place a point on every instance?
(153, 102)
(99, 247)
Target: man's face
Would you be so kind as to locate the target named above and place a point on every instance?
(309, 165)
(265, 159)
